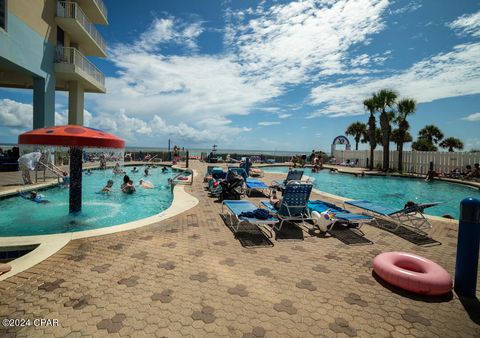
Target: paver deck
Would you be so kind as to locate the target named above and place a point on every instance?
(188, 276)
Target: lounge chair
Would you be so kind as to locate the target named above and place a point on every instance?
(411, 216)
(231, 211)
(252, 184)
(293, 175)
(294, 204)
(340, 215)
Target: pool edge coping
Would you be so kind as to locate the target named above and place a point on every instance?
(52, 243)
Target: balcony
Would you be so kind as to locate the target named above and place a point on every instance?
(72, 65)
(72, 19)
(95, 10)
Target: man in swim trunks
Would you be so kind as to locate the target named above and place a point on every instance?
(146, 184)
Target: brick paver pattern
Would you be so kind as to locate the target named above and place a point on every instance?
(189, 276)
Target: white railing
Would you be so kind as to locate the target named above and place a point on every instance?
(73, 56)
(72, 10)
(102, 7)
(413, 161)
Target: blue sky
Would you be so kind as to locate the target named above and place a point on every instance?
(275, 75)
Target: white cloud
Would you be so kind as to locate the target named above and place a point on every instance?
(15, 114)
(268, 123)
(444, 75)
(288, 43)
(170, 30)
(267, 49)
(475, 117)
(468, 24)
(410, 7)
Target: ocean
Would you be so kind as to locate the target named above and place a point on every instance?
(198, 151)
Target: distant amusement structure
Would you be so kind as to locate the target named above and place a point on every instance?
(342, 140)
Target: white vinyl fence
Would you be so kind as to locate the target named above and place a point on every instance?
(413, 161)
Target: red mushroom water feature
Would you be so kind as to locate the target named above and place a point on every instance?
(77, 138)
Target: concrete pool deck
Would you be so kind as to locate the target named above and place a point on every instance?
(188, 276)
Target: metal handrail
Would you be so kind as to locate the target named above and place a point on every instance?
(73, 56)
(72, 10)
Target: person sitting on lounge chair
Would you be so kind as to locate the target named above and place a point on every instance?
(275, 201)
(475, 173)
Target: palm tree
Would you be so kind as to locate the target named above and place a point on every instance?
(423, 145)
(377, 137)
(451, 143)
(405, 107)
(369, 104)
(357, 130)
(385, 98)
(395, 138)
(431, 133)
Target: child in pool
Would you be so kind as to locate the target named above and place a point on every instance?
(34, 197)
(108, 187)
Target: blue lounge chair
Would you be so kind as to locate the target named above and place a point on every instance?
(251, 183)
(411, 216)
(340, 215)
(294, 204)
(231, 211)
(293, 175)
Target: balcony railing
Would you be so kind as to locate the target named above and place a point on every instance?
(102, 7)
(73, 56)
(71, 10)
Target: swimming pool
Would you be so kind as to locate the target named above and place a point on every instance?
(391, 191)
(20, 217)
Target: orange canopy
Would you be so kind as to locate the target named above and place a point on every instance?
(71, 136)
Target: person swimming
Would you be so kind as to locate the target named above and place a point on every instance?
(134, 170)
(117, 170)
(145, 172)
(127, 186)
(146, 184)
(34, 197)
(108, 187)
(89, 172)
(164, 170)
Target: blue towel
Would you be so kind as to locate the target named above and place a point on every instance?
(257, 213)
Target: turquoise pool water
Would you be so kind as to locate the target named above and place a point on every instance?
(20, 217)
(391, 191)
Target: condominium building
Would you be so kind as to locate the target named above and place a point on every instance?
(44, 46)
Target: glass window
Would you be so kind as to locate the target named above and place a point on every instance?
(3, 14)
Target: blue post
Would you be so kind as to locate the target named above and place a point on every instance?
(247, 166)
(467, 248)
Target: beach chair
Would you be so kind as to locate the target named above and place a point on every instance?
(411, 216)
(337, 214)
(293, 175)
(208, 173)
(252, 184)
(294, 204)
(232, 210)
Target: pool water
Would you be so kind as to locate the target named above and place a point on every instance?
(391, 191)
(21, 217)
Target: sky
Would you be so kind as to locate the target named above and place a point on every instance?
(274, 75)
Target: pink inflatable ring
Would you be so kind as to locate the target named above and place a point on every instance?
(413, 273)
